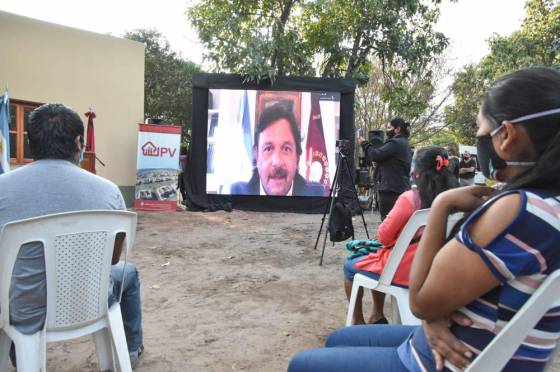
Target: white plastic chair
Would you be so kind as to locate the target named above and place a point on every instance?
(78, 250)
(496, 355)
(399, 296)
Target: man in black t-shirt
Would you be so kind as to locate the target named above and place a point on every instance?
(467, 169)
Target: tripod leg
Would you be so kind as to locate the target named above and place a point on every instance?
(327, 208)
(335, 188)
(355, 193)
(326, 232)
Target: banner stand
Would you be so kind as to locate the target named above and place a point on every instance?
(157, 167)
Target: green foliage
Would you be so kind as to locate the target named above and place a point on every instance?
(330, 38)
(254, 38)
(167, 80)
(441, 138)
(460, 117)
(536, 43)
(347, 33)
(411, 95)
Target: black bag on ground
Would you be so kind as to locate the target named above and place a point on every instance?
(340, 223)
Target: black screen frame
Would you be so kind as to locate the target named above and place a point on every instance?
(195, 172)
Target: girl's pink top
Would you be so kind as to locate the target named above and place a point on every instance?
(388, 233)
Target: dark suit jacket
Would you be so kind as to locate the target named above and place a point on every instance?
(300, 188)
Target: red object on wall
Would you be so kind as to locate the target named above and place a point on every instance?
(90, 136)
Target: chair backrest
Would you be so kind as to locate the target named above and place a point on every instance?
(418, 220)
(496, 355)
(78, 248)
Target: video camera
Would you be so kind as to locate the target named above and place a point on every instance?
(365, 171)
(343, 146)
(376, 137)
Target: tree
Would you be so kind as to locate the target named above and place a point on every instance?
(329, 38)
(536, 43)
(468, 87)
(346, 34)
(254, 38)
(442, 138)
(167, 80)
(412, 96)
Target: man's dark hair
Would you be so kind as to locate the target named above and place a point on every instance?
(274, 113)
(52, 130)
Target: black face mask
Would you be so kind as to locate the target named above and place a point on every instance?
(489, 160)
(487, 157)
(390, 133)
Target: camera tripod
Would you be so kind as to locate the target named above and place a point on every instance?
(336, 187)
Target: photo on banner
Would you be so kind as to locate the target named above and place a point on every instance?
(157, 167)
(271, 143)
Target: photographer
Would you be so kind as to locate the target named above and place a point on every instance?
(393, 160)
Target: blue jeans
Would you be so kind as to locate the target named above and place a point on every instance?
(131, 308)
(371, 347)
(350, 269)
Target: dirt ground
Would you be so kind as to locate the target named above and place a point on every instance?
(229, 291)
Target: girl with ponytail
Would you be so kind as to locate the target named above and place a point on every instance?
(468, 288)
(431, 177)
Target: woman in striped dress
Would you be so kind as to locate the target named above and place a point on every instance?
(467, 289)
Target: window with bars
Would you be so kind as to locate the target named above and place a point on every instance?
(19, 117)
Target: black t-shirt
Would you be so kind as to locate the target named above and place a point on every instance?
(471, 163)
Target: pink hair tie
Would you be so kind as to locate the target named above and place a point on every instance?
(441, 162)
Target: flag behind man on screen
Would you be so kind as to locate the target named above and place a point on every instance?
(4, 133)
(316, 151)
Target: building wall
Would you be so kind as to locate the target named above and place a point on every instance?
(48, 63)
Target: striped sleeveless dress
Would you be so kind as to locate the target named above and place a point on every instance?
(521, 257)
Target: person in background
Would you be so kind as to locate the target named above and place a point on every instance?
(467, 289)
(454, 158)
(467, 169)
(431, 176)
(54, 183)
(393, 160)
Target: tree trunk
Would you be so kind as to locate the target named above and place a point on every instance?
(277, 59)
(354, 55)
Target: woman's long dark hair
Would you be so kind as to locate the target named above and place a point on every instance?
(429, 181)
(521, 93)
(525, 92)
(400, 123)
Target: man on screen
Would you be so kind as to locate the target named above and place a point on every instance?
(276, 152)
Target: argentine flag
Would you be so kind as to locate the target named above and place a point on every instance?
(4, 133)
